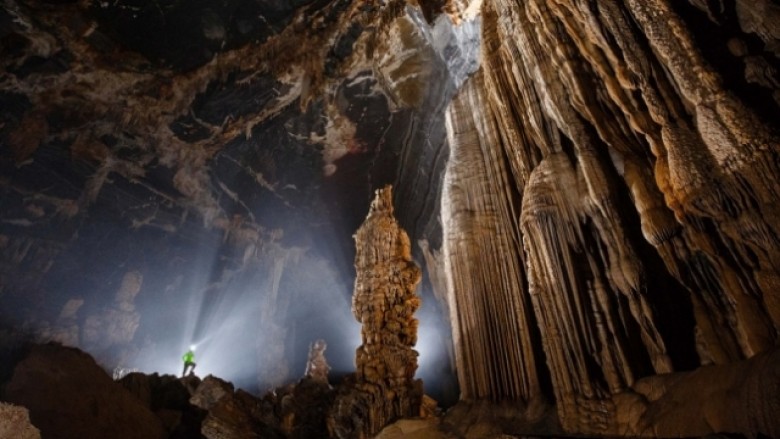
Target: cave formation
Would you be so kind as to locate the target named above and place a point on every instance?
(590, 189)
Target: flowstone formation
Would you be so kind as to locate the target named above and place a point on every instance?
(384, 302)
(615, 172)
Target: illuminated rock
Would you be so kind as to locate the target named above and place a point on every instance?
(604, 222)
(210, 391)
(384, 301)
(15, 423)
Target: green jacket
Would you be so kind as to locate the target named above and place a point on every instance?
(189, 357)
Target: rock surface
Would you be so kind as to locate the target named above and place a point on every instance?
(15, 423)
(69, 395)
(169, 398)
(383, 388)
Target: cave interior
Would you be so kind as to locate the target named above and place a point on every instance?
(502, 218)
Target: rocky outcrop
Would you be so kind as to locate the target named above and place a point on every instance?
(15, 423)
(235, 416)
(210, 391)
(69, 396)
(384, 302)
(169, 398)
(294, 411)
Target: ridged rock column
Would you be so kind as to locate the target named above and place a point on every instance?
(384, 302)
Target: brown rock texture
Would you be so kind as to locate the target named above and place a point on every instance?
(384, 302)
(168, 397)
(237, 416)
(738, 397)
(610, 207)
(15, 423)
(210, 391)
(115, 325)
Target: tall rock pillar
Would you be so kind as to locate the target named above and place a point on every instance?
(384, 302)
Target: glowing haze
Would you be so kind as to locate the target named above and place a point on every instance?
(253, 325)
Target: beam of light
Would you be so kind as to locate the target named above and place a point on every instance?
(435, 361)
(223, 316)
(222, 309)
(430, 344)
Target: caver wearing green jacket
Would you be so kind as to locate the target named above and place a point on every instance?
(189, 362)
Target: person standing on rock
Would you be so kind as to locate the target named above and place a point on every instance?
(189, 361)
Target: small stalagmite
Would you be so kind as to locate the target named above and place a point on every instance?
(317, 367)
(384, 302)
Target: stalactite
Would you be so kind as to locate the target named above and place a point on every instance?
(490, 320)
(638, 169)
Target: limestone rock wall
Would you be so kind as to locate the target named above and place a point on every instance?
(627, 174)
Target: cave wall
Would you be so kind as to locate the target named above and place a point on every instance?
(622, 159)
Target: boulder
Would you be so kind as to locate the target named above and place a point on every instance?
(70, 396)
(15, 423)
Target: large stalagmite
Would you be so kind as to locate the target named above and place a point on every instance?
(384, 302)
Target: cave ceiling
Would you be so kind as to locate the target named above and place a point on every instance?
(162, 94)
